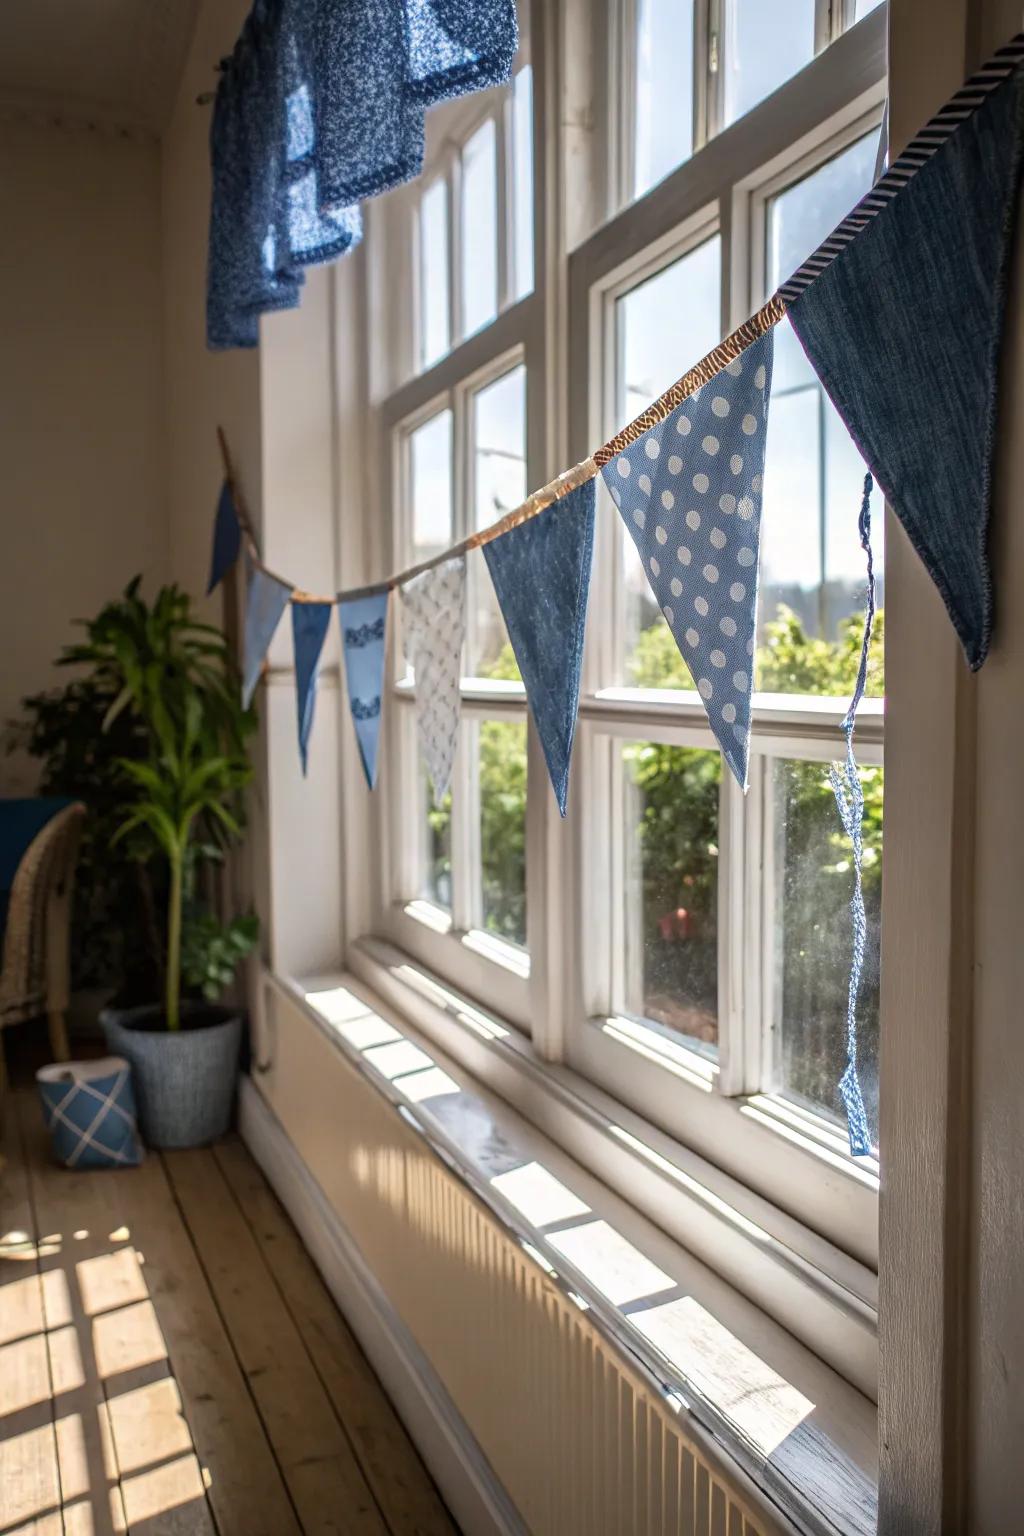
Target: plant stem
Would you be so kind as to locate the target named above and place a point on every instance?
(173, 989)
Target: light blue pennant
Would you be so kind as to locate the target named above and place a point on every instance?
(541, 574)
(268, 599)
(227, 538)
(309, 629)
(689, 492)
(364, 622)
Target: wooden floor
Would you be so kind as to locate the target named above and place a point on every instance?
(171, 1363)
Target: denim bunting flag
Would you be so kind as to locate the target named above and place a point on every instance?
(433, 628)
(268, 598)
(227, 538)
(689, 492)
(903, 328)
(541, 574)
(363, 623)
(309, 629)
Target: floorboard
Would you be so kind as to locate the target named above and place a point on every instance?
(171, 1363)
(327, 1487)
(407, 1497)
(29, 1481)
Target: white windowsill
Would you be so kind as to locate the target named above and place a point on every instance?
(803, 1434)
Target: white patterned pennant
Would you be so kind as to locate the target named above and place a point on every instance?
(434, 615)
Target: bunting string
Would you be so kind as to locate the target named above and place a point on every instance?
(900, 312)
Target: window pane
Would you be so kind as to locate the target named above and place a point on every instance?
(813, 576)
(502, 762)
(435, 846)
(670, 884)
(664, 325)
(664, 90)
(430, 464)
(499, 481)
(765, 45)
(813, 934)
(863, 7)
(434, 321)
(479, 229)
(522, 182)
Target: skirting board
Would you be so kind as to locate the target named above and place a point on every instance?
(477, 1500)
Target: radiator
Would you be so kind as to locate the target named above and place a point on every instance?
(582, 1443)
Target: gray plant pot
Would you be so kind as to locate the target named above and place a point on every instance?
(184, 1082)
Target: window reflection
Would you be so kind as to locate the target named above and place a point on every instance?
(812, 567)
(479, 229)
(664, 325)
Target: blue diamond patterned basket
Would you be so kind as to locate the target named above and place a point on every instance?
(89, 1108)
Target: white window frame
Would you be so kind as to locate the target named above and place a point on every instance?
(789, 1160)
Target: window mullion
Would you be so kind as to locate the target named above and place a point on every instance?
(503, 140)
(456, 325)
(765, 1018)
(733, 946)
(704, 85)
(711, 60)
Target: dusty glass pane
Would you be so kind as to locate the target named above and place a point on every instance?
(502, 768)
(430, 473)
(663, 129)
(522, 183)
(670, 887)
(435, 336)
(479, 229)
(435, 846)
(813, 576)
(813, 862)
(664, 326)
(499, 480)
(764, 46)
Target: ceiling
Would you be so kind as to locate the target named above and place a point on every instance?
(118, 59)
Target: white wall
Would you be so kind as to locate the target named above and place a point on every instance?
(81, 486)
(201, 388)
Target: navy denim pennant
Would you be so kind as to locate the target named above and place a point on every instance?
(541, 574)
(689, 492)
(227, 538)
(268, 598)
(309, 629)
(363, 623)
(903, 327)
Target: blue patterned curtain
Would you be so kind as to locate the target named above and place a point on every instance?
(319, 106)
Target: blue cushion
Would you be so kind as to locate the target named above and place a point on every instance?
(89, 1109)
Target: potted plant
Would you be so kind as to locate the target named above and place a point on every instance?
(160, 759)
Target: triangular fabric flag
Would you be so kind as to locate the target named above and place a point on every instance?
(434, 625)
(309, 629)
(268, 598)
(903, 327)
(227, 538)
(363, 623)
(541, 574)
(689, 491)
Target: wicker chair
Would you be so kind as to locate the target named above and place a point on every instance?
(36, 952)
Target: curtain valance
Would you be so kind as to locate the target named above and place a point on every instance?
(321, 105)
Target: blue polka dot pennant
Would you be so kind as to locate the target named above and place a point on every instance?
(689, 492)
